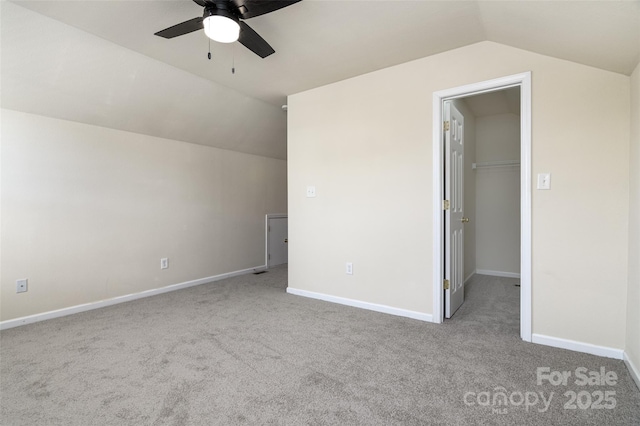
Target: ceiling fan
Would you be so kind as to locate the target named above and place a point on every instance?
(222, 21)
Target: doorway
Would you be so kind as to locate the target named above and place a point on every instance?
(442, 271)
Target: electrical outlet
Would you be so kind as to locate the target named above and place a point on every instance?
(311, 191)
(21, 286)
(164, 263)
(349, 268)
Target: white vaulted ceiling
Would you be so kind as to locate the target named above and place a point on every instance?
(77, 68)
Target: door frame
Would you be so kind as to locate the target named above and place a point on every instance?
(266, 234)
(522, 80)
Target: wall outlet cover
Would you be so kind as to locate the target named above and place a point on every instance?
(311, 191)
(349, 268)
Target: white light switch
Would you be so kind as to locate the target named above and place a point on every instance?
(311, 191)
(544, 180)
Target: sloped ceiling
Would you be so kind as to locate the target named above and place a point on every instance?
(168, 88)
(62, 72)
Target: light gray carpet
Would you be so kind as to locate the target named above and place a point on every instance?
(242, 351)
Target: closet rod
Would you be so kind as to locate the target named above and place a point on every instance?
(510, 163)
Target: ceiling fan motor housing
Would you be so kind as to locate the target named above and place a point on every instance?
(219, 9)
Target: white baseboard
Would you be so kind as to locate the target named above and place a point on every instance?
(363, 305)
(120, 299)
(497, 273)
(572, 345)
(634, 371)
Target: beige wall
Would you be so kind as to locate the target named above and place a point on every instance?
(633, 296)
(469, 186)
(366, 144)
(87, 212)
(498, 194)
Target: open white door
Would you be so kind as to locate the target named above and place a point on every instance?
(454, 214)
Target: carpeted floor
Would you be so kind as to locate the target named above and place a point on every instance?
(242, 351)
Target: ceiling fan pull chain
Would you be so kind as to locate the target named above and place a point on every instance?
(209, 54)
(233, 60)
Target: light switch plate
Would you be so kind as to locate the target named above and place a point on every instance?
(544, 180)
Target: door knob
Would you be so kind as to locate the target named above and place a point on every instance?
(464, 220)
(286, 240)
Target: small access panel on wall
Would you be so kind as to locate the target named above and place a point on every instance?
(277, 228)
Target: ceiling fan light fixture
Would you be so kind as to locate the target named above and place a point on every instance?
(221, 26)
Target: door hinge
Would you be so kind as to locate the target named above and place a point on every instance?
(269, 228)
(446, 126)
(446, 285)
(445, 205)
(269, 255)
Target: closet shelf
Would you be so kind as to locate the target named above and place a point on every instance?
(491, 164)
